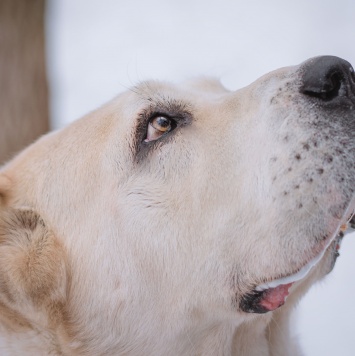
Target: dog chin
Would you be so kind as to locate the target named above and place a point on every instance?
(272, 294)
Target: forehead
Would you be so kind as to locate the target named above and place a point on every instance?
(188, 90)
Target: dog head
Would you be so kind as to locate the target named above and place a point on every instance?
(177, 207)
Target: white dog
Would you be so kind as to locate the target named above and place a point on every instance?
(176, 220)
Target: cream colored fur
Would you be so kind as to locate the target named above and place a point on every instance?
(110, 245)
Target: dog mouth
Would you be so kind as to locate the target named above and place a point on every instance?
(271, 295)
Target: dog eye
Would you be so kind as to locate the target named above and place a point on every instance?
(158, 126)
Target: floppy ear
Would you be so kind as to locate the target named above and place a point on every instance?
(32, 267)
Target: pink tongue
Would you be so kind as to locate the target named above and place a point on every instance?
(275, 297)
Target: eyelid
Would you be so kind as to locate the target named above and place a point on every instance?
(177, 111)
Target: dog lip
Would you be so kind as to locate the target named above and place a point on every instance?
(261, 302)
(304, 271)
(292, 278)
(351, 220)
(271, 295)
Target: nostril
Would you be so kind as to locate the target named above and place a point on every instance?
(327, 78)
(328, 89)
(332, 90)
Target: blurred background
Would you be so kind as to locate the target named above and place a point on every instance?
(98, 48)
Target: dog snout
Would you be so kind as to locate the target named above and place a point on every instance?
(327, 78)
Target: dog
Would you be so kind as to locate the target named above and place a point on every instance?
(177, 219)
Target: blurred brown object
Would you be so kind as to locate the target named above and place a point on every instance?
(23, 83)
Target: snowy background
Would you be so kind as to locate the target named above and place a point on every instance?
(98, 48)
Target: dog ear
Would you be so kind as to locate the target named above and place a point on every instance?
(33, 271)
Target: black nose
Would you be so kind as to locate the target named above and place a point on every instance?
(328, 77)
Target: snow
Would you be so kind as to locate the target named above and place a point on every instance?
(98, 48)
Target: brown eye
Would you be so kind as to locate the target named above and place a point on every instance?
(161, 123)
(158, 126)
